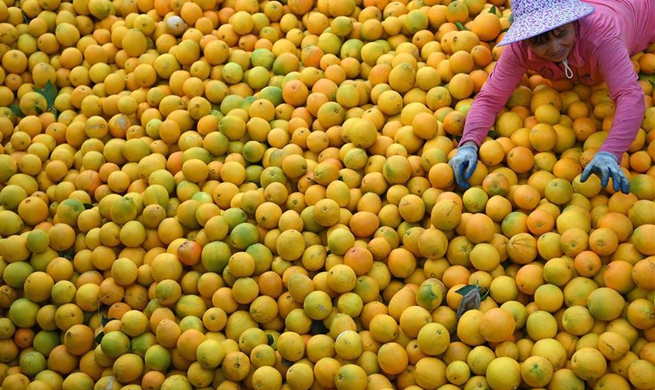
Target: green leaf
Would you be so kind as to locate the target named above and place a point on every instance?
(269, 339)
(492, 10)
(69, 254)
(38, 109)
(484, 295)
(50, 93)
(99, 337)
(15, 109)
(461, 26)
(466, 289)
(511, 18)
(104, 320)
(87, 206)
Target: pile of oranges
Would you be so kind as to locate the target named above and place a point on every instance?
(227, 194)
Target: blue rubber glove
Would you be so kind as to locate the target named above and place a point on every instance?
(464, 163)
(605, 165)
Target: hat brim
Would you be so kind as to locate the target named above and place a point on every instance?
(543, 20)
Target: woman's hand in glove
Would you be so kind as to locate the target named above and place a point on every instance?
(464, 163)
(606, 166)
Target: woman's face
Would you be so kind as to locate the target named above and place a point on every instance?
(558, 46)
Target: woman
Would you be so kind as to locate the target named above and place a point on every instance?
(587, 42)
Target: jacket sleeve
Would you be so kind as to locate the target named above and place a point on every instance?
(494, 94)
(617, 70)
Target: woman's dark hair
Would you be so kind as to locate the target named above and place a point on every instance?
(539, 39)
(545, 36)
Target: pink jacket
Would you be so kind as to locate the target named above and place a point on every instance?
(605, 41)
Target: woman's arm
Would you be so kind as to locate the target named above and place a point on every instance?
(494, 94)
(617, 70)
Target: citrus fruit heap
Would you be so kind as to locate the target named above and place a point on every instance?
(226, 194)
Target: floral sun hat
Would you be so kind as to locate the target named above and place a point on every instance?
(533, 17)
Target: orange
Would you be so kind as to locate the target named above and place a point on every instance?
(325, 370)
(359, 259)
(603, 241)
(526, 197)
(486, 26)
(522, 248)
(37, 286)
(383, 328)
(613, 345)
(577, 320)
(642, 244)
(326, 212)
(413, 319)
(605, 304)
(300, 375)
(566, 378)
(540, 222)
(520, 159)
(536, 371)
(642, 272)
(441, 175)
(639, 373)
(468, 330)
(479, 228)
(491, 153)
(548, 297)
(587, 263)
(574, 241)
(558, 191)
(392, 358)
(498, 207)
(618, 276)
(543, 137)
(432, 243)
(461, 86)
(234, 367)
(401, 262)
(617, 222)
(474, 200)
(541, 325)
(457, 11)
(266, 377)
(503, 373)
(79, 339)
(484, 257)
(430, 371)
(479, 358)
(639, 312)
(497, 325)
(461, 62)
(588, 363)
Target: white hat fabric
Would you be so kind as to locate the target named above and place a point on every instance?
(534, 17)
